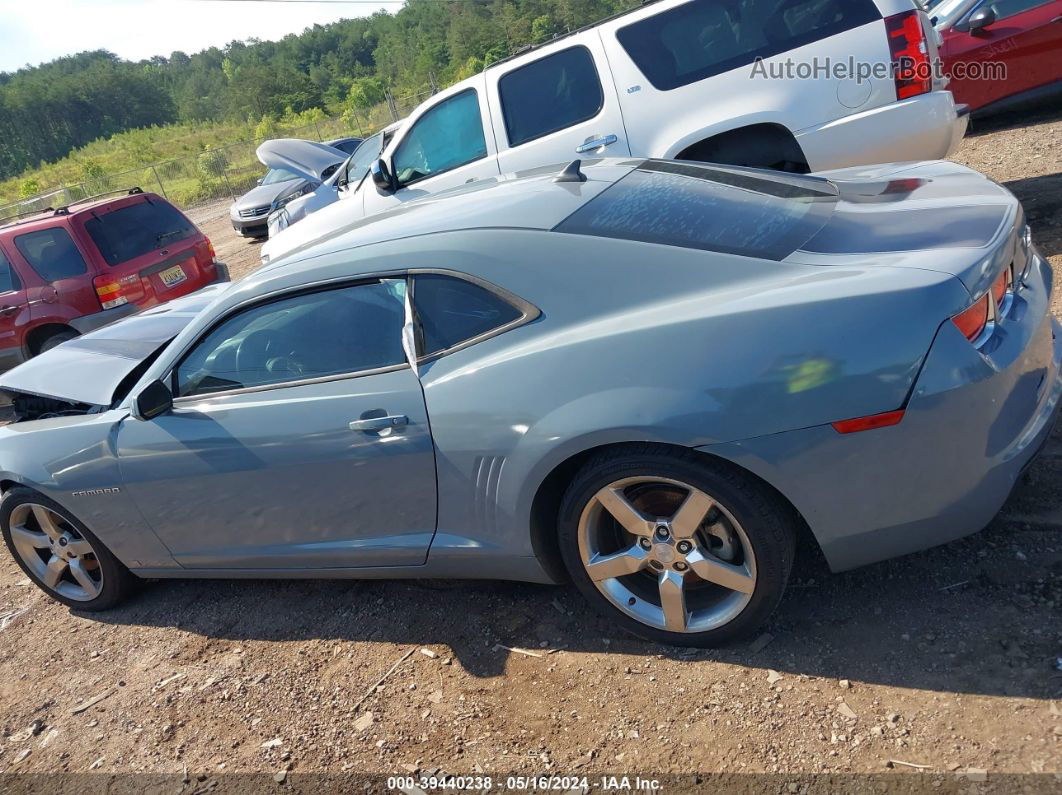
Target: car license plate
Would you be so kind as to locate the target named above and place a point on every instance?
(173, 276)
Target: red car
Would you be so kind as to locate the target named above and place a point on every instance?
(71, 270)
(1025, 36)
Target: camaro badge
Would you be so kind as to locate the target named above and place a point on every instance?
(95, 492)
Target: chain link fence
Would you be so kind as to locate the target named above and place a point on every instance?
(223, 172)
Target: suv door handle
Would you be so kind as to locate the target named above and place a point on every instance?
(8, 310)
(595, 143)
(380, 423)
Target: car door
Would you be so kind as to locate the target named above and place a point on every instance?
(298, 439)
(14, 313)
(449, 143)
(60, 263)
(1025, 37)
(557, 108)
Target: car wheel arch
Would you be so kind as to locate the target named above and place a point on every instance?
(546, 503)
(37, 336)
(739, 145)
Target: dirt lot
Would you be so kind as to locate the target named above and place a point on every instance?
(943, 662)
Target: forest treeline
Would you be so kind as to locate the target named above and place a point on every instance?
(48, 111)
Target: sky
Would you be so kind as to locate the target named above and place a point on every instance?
(35, 31)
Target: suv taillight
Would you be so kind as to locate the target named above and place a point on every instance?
(210, 250)
(113, 292)
(913, 70)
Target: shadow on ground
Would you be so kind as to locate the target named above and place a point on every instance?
(982, 615)
(1042, 198)
(1019, 117)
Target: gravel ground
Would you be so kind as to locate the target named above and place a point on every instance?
(937, 669)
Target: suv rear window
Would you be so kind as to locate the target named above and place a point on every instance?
(550, 94)
(134, 230)
(52, 253)
(708, 37)
(730, 211)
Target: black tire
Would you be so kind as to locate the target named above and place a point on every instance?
(769, 523)
(117, 581)
(57, 339)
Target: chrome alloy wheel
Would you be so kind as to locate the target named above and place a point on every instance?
(667, 554)
(55, 552)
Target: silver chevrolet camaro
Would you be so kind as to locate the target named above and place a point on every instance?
(648, 377)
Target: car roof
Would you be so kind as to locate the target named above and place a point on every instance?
(524, 200)
(37, 218)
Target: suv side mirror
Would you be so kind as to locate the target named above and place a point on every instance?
(155, 399)
(382, 177)
(981, 19)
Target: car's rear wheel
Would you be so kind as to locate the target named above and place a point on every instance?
(57, 339)
(676, 548)
(60, 554)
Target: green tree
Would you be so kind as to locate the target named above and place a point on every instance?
(28, 188)
(366, 92)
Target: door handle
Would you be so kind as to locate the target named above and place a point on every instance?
(380, 423)
(596, 143)
(1057, 19)
(8, 310)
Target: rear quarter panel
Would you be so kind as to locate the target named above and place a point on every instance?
(651, 343)
(663, 123)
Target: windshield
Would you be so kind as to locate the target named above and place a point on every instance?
(134, 230)
(727, 210)
(276, 175)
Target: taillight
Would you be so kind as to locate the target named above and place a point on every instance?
(1000, 285)
(114, 292)
(109, 291)
(913, 70)
(210, 250)
(971, 322)
(869, 423)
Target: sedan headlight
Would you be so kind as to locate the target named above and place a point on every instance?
(292, 196)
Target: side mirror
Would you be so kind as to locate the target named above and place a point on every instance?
(382, 178)
(981, 19)
(155, 399)
(341, 180)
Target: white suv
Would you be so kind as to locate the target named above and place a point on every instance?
(678, 79)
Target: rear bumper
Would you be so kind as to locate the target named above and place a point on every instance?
(972, 425)
(223, 272)
(926, 127)
(87, 323)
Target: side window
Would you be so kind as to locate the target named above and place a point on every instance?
(51, 253)
(550, 94)
(451, 311)
(708, 37)
(447, 136)
(8, 278)
(313, 335)
(1008, 8)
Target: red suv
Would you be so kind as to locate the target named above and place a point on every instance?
(69, 271)
(1024, 36)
